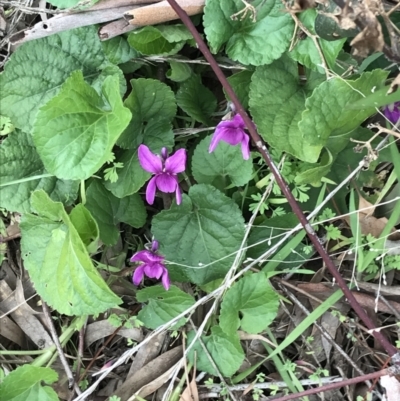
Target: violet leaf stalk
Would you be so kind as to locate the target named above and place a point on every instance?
(165, 169)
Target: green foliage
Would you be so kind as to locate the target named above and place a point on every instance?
(24, 90)
(226, 162)
(75, 148)
(5, 126)
(152, 104)
(303, 127)
(22, 171)
(306, 52)
(86, 227)
(67, 3)
(240, 83)
(327, 114)
(163, 306)
(196, 100)
(70, 120)
(25, 383)
(179, 71)
(109, 210)
(162, 40)
(124, 320)
(277, 116)
(250, 304)
(225, 350)
(58, 262)
(117, 50)
(244, 39)
(207, 219)
(150, 101)
(376, 98)
(268, 233)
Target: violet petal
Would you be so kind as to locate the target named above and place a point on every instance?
(238, 121)
(232, 136)
(151, 191)
(245, 147)
(176, 163)
(154, 245)
(138, 275)
(392, 112)
(178, 195)
(149, 161)
(154, 270)
(165, 280)
(218, 134)
(166, 183)
(141, 256)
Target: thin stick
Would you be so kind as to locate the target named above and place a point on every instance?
(54, 336)
(334, 386)
(390, 348)
(81, 347)
(115, 28)
(64, 22)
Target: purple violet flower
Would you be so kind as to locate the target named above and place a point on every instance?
(165, 170)
(152, 265)
(232, 132)
(392, 112)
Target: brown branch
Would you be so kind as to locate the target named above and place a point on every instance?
(162, 12)
(390, 348)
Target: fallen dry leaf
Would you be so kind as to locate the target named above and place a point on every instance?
(154, 385)
(147, 353)
(23, 315)
(191, 392)
(369, 224)
(97, 330)
(149, 373)
(370, 39)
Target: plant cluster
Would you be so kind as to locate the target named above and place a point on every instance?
(104, 145)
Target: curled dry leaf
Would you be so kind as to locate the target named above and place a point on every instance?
(157, 383)
(23, 316)
(149, 373)
(97, 330)
(369, 224)
(147, 353)
(369, 39)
